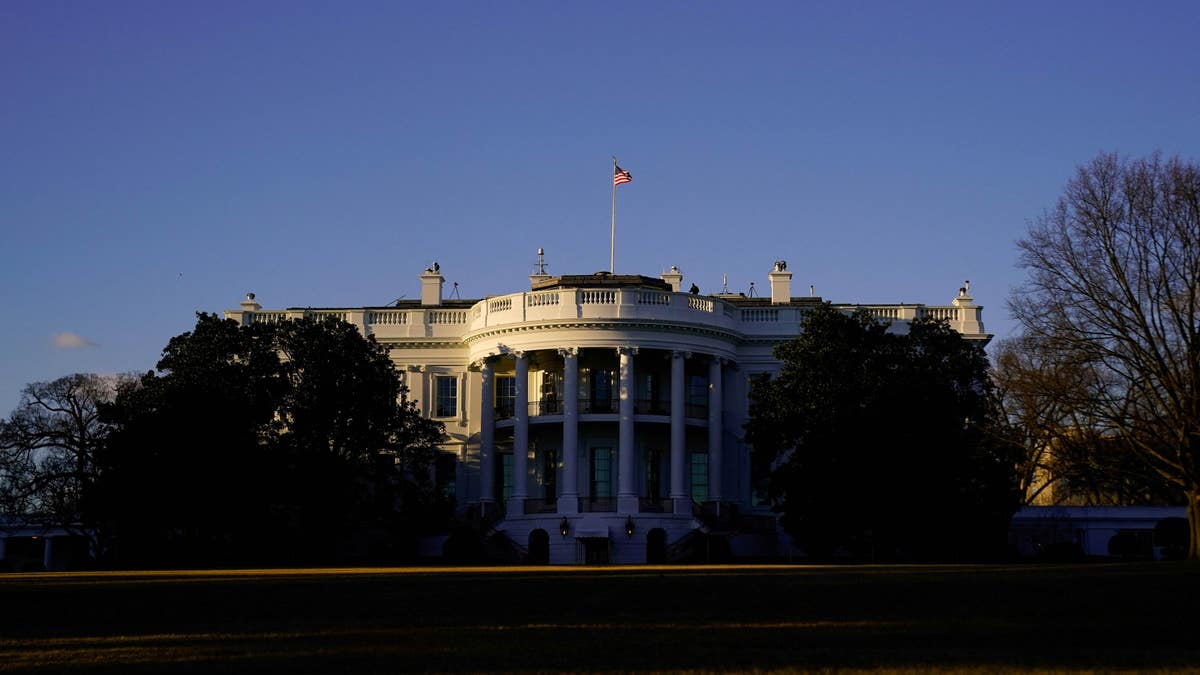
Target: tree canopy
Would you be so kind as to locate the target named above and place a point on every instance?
(1113, 287)
(876, 442)
(276, 443)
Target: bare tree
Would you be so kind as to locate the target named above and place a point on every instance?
(48, 449)
(1114, 287)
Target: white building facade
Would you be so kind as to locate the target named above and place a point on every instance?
(599, 418)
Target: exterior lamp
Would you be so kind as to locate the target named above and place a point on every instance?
(564, 527)
(628, 526)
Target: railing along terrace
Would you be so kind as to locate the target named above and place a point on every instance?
(542, 299)
(654, 298)
(597, 405)
(387, 317)
(597, 505)
(597, 297)
(655, 505)
(545, 406)
(947, 313)
(446, 316)
(646, 406)
(541, 505)
(268, 317)
(760, 315)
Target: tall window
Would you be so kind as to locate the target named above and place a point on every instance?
(601, 390)
(550, 475)
(506, 475)
(548, 401)
(649, 395)
(654, 460)
(601, 473)
(506, 395)
(699, 466)
(446, 404)
(697, 390)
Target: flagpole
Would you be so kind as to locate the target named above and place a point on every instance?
(612, 247)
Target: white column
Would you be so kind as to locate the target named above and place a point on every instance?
(47, 553)
(568, 502)
(516, 505)
(627, 500)
(679, 491)
(487, 432)
(715, 456)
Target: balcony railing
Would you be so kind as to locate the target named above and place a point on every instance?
(538, 505)
(645, 406)
(597, 505)
(506, 409)
(649, 505)
(598, 405)
(546, 406)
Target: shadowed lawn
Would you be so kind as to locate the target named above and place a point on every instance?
(1061, 617)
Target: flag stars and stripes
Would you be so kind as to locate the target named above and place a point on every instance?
(621, 175)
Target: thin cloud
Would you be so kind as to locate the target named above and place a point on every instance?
(69, 340)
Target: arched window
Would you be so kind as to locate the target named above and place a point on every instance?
(539, 547)
(656, 546)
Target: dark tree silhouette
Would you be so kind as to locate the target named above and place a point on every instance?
(279, 443)
(877, 442)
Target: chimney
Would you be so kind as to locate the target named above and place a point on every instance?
(431, 286)
(674, 277)
(781, 283)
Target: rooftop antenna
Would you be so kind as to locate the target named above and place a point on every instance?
(724, 283)
(811, 290)
(454, 292)
(750, 293)
(540, 267)
(396, 302)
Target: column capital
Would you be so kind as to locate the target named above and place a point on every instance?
(414, 368)
(479, 363)
(568, 351)
(627, 349)
(678, 354)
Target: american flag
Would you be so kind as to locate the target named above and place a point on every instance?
(620, 175)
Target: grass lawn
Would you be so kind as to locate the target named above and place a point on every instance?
(908, 618)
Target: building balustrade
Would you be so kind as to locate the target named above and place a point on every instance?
(602, 304)
(651, 505)
(597, 405)
(597, 505)
(587, 406)
(645, 406)
(540, 505)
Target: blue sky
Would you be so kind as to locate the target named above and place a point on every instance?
(162, 158)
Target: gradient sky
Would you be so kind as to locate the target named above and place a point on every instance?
(161, 158)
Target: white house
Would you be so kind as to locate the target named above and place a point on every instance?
(599, 417)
